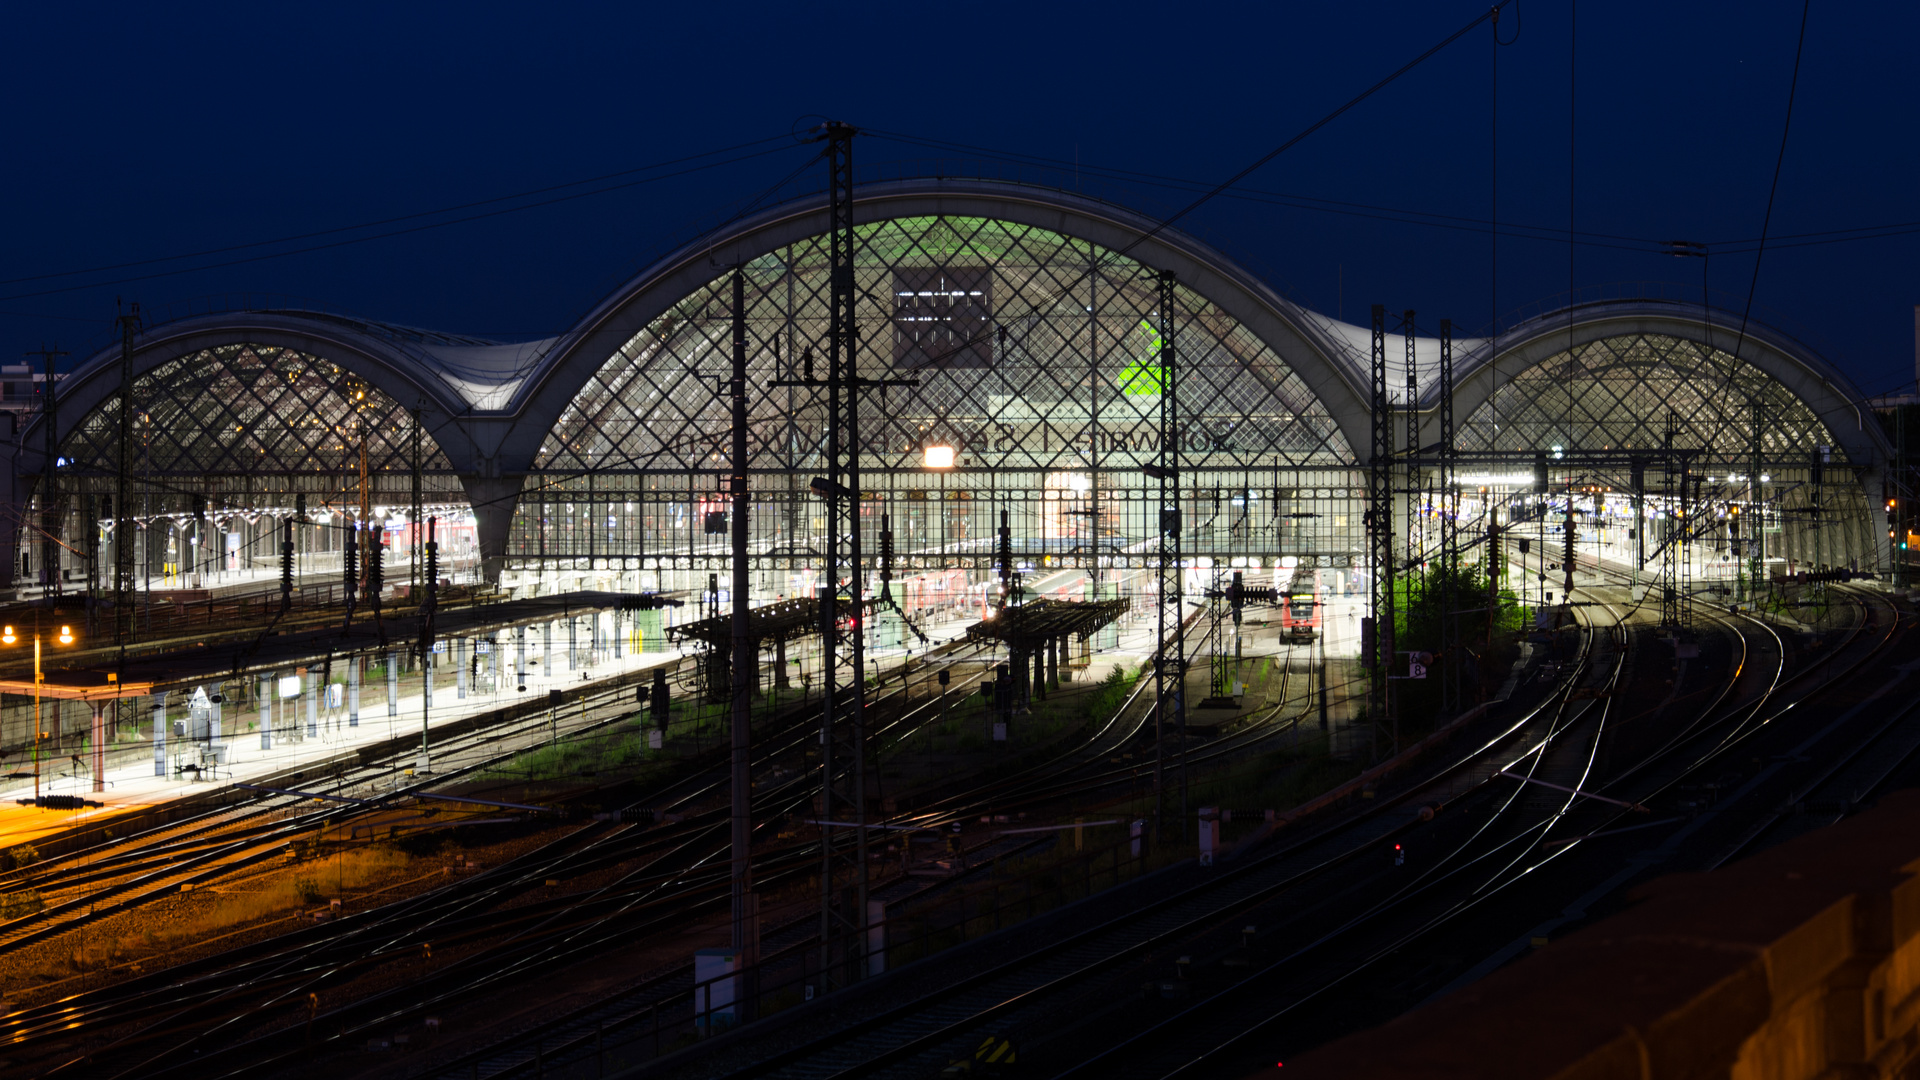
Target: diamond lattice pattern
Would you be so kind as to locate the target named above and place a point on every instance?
(251, 410)
(1032, 350)
(1618, 394)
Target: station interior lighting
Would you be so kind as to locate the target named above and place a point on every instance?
(938, 457)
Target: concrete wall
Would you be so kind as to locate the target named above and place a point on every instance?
(1800, 962)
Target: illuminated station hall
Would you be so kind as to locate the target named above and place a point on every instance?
(248, 535)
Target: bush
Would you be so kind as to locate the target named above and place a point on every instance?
(19, 905)
(1106, 700)
(308, 890)
(17, 857)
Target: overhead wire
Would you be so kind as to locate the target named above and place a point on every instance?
(501, 212)
(391, 220)
(1766, 222)
(1113, 256)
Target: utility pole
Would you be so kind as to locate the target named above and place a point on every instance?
(1449, 509)
(123, 620)
(746, 925)
(429, 604)
(1169, 674)
(1170, 418)
(413, 521)
(842, 918)
(1376, 632)
(51, 511)
(1566, 556)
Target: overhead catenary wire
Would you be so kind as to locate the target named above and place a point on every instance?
(429, 226)
(378, 222)
(1766, 222)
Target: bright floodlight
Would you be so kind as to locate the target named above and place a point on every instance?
(8, 636)
(66, 635)
(939, 457)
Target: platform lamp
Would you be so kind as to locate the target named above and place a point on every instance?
(10, 636)
(938, 457)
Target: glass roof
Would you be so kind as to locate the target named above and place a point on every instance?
(1031, 350)
(1620, 393)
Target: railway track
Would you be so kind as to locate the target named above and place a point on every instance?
(669, 894)
(1247, 1035)
(914, 1037)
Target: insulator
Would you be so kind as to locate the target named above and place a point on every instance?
(886, 548)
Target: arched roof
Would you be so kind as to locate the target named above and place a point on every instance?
(417, 368)
(1829, 395)
(491, 405)
(1293, 334)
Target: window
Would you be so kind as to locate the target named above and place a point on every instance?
(943, 316)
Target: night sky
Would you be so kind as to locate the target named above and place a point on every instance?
(149, 132)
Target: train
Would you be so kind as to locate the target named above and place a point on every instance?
(1302, 611)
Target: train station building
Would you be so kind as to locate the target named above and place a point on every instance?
(1027, 322)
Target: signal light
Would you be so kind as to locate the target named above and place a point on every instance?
(66, 635)
(8, 636)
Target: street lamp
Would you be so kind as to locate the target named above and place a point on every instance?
(9, 636)
(939, 458)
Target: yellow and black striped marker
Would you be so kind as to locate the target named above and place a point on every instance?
(994, 1053)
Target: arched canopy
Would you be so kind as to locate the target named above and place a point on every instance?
(250, 411)
(1004, 276)
(1608, 376)
(204, 374)
(1028, 350)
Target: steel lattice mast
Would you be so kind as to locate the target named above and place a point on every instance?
(843, 874)
(1377, 646)
(123, 621)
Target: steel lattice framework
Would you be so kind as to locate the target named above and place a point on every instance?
(1035, 355)
(229, 439)
(251, 411)
(1756, 439)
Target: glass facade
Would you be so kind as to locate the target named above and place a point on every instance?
(1757, 441)
(229, 444)
(1036, 356)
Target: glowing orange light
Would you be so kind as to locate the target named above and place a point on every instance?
(66, 635)
(8, 636)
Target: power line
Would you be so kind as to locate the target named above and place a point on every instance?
(381, 235)
(1786, 127)
(392, 220)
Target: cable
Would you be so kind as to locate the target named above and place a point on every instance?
(1766, 222)
(1305, 202)
(1573, 87)
(1165, 223)
(396, 232)
(387, 221)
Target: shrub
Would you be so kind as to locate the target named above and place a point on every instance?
(308, 890)
(19, 905)
(17, 857)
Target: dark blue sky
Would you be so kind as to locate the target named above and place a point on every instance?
(145, 132)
